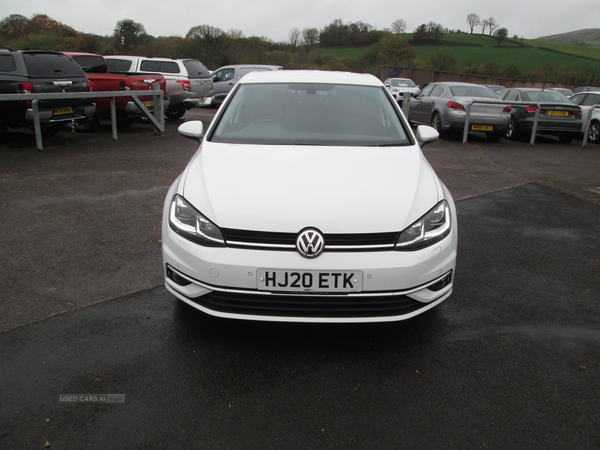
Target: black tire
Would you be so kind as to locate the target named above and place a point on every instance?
(493, 136)
(566, 138)
(436, 122)
(511, 132)
(594, 133)
(175, 113)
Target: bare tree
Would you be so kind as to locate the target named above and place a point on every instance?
(399, 26)
(434, 30)
(473, 20)
(484, 24)
(310, 36)
(492, 25)
(128, 33)
(294, 37)
(235, 33)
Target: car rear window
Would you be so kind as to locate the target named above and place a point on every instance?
(91, 64)
(311, 114)
(118, 65)
(159, 66)
(196, 69)
(472, 91)
(51, 65)
(7, 63)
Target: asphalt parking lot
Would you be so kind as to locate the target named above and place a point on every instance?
(510, 360)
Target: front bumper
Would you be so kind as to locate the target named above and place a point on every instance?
(223, 281)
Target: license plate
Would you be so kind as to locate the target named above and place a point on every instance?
(558, 113)
(148, 104)
(482, 127)
(67, 110)
(202, 99)
(310, 281)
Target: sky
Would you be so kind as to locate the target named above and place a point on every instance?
(274, 19)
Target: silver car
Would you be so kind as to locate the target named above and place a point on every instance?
(442, 105)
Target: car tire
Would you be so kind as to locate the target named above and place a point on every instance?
(566, 138)
(511, 132)
(594, 132)
(436, 122)
(493, 136)
(175, 113)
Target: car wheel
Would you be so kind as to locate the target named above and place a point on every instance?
(594, 133)
(493, 136)
(175, 113)
(436, 122)
(510, 133)
(566, 138)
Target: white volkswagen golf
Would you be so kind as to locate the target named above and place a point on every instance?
(309, 200)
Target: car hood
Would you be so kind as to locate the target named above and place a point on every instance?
(288, 188)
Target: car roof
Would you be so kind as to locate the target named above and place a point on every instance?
(311, 76)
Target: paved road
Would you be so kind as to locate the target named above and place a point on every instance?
(511, 360)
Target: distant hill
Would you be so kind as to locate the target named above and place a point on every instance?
(589, 36)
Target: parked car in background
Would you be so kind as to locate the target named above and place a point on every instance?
(309, 200)
(37, 72)
(442, 105)
(226, 77)
(399, 86)
(564, 91)
(495, 87)
(586, 89)
(100, 80)
(586, 100)
(558, 116)
(188, 81)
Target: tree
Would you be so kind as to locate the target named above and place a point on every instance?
(492, 25)
(310, 37)
(434, 31)
(235, 33)
(399, 26)
(484, 24)
(128, 34)
(294, 38)
(473, 20)
(14, 27)
(420, 33)
(501, 34)
(442, 60)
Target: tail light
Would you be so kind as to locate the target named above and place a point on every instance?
(577, 112)
(456, 106)
(187, 87)
(125, 85)
(508, 109)
(25, 87)
(531, 109)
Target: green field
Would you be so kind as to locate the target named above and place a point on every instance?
(525, 58)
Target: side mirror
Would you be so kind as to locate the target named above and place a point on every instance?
(426, 134)
(216, 79)
(193, 129)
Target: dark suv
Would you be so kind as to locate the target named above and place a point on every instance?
(42, 71)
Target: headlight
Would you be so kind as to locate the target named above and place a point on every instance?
(191, 224)
(429, 229)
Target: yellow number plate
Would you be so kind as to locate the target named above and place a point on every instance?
(148, 104)
(482, 127)
(67, 110)
(558, 113)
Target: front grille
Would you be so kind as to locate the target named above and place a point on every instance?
(308, 305)
(287, 241)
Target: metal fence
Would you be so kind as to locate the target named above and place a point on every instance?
(157, 117)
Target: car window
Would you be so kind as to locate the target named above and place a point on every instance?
(311, 114)
(149, 65)
(51, 65)
(472, 91)
(7, 63)
(512, 96)
(546, 96)
(223, 75)
(403, 83)
(196, 69)
(91, 64)
(427, 90)
(438, 90)
(591, 99)
(118, 65)
(577, 98)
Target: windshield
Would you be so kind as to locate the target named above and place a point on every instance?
(546, 96)
(472, 91)
(91, 64)
(403, 83)
(311, 114)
